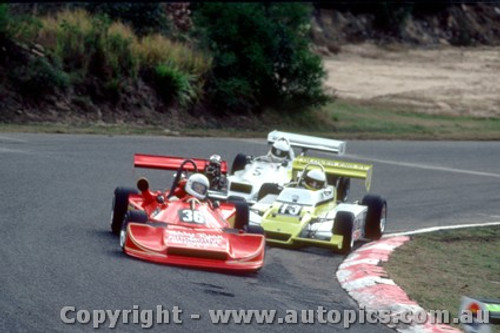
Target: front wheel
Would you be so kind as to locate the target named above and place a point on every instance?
(343, 226)
(239, 163)
(119, 207)
(242, 215)
(376, 217)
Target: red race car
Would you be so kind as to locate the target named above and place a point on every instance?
(182, 226)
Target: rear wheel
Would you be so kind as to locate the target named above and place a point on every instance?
(119, 207)
(136, 216)
(268, 188)
(376, 217)
(343, 189)
(239, 163)
(343, 226)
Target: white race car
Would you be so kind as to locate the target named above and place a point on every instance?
(248, 174)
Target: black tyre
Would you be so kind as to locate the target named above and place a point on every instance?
(242, 215)
(268, 188)
(136, 216)
(343, 226)
(119, 207)
(234, 198)
(239, 163)
(376, 217)
(343, 189)
(255, 229)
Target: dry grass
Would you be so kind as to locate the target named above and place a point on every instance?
(88, 45)
(157, 49)
(52, 28)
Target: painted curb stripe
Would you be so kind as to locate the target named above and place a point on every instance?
(367, 282)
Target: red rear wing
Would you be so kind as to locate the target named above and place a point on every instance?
(172, 163)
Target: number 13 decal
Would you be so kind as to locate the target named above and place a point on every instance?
(191, 216)
(290, 209)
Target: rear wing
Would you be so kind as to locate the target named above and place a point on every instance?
(172, 163)
(337, 168)
(308, 142)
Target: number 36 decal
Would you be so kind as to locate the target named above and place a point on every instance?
(191, 216)
(288, 209)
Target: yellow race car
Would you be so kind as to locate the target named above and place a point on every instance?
(308, 212)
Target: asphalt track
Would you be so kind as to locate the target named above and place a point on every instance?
(56, 249)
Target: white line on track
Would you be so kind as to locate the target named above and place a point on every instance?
(7, 150)
(6, 138)
(427, 167)
(447, 227)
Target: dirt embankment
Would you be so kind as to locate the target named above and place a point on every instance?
(444, 61)
(452, 81)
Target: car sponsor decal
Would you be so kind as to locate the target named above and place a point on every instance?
(191, 239)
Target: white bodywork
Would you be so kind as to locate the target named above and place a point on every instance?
(309, 142)
(246, 183)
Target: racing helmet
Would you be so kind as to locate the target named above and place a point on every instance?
(314, 179)
(280, 149)
(197, 186)
(215, 159)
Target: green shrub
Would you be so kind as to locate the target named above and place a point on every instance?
(39, 77)
(4, 12)
(174, 85)
(91, 46)
(261, 54)
(101, 56)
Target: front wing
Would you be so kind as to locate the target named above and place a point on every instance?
(241, 252)
(294, 240)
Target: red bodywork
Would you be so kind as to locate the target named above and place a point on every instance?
(187, 233)
(171, 163)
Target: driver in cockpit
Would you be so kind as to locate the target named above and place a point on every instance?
(314, 180)
(280, 151)
(197, 186)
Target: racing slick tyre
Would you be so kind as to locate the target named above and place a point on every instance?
(343, 189)
(268, 188)
(242, 215)
(376, 216)
(136, 216)
(234, 198)
(343, 226)
(255, 229)
(119, 207)
(239, 163)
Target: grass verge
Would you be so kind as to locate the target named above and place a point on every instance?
(339, 120)
(354, 119)
(436, 269)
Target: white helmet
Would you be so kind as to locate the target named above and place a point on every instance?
(280, 149)
(315, 179)
(197, 185)
(215, 159)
